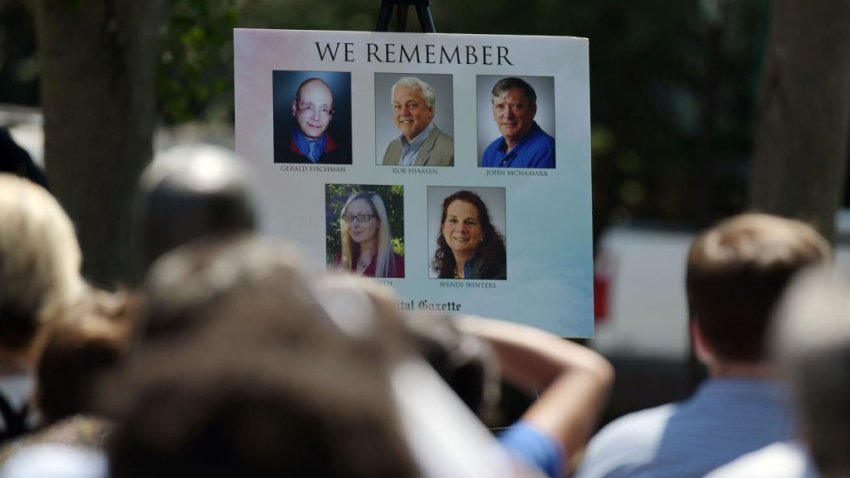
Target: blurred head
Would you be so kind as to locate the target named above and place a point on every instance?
(216, 409)
(812, 346)
(413, 106)
(363, 221)
(277, 372)
(313, 107)
(737, 271)
(40, 260)
(258, 367)
(192, 191)
(90, 339)
(188, 286)
(514, 107)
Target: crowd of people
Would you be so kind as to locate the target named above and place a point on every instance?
(233, 357)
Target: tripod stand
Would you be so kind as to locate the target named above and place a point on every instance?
(423, 12)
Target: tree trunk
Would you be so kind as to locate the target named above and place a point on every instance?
(98, 72)
(803, 113)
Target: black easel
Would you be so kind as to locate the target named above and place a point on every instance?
(423, 11)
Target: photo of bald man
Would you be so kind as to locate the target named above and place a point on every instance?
(303, 121)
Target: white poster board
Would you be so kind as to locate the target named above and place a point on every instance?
(542, 211)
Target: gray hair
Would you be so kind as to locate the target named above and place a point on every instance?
(415, 83)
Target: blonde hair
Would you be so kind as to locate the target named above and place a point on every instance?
(350, 249)
(40, 260)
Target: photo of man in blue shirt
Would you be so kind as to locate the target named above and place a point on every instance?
(523, 143)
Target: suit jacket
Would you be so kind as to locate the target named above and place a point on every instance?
(333, 153)
(437, 150)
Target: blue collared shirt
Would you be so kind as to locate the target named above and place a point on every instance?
(535, 150)
(723, 420)
(409, 149)
(311, 149)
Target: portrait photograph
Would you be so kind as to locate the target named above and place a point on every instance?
(364, 227)
(467, 233)
(414, 120)
(515, 121)
(312, 117)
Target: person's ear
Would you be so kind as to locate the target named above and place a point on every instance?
(295, 108)
(702, 349)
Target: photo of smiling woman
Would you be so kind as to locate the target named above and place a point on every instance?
(366, 245)
(469, 246)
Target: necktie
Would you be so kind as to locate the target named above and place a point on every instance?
(312, 152)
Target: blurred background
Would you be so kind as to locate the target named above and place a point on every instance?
(699, 109)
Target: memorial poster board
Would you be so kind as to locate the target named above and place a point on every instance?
(370, 138)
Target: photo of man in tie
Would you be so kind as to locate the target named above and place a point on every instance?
(309, 139)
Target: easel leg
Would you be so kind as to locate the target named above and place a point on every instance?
(423, 12)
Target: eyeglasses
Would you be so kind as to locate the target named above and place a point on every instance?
(311, 109)
(361, 218)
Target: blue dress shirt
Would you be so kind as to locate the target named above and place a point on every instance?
(535, 150)
(723, 420)
(409, 149)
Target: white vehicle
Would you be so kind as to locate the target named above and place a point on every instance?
(642, 309)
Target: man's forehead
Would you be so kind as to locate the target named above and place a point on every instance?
(515, 92)
(401, 90)
(316, 88)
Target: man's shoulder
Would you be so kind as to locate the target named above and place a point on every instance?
(440, 135)
(542, 141)
(722, 421)
(628, 442)
(394, 145)
(491, 152)
(392, 155)
(642, 425)
(438, 148)
(495, 143)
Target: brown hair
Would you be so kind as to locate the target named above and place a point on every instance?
(492, 248)
(79, 347)
(738, 270)
(507, 84)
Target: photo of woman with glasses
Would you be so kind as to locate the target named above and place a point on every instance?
(366, 245)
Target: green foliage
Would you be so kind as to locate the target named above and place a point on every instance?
(335, 197)
(196, 60)
(18, 61)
